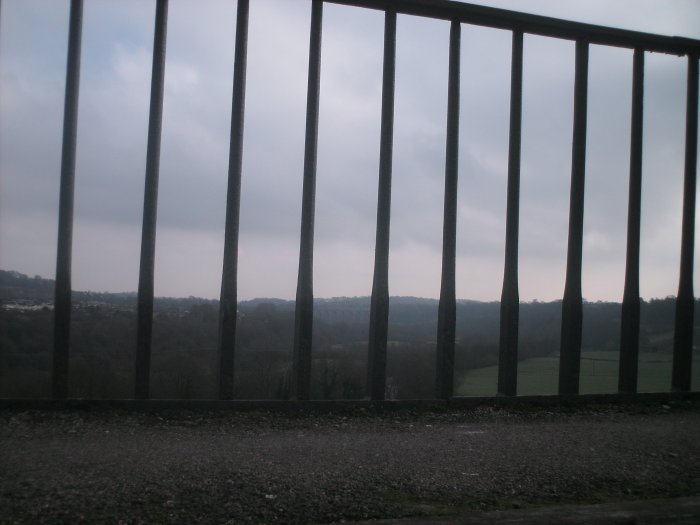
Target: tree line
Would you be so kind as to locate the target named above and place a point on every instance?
(185, 342)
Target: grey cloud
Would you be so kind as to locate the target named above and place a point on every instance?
(112, 141)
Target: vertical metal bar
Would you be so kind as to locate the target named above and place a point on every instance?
(304, 313)
(379, 306)
(683, 336)
(150, 201)
(510, 300)
(62, 297)
(228, 306)
(572, 305)
(629, 326)
(447, 317)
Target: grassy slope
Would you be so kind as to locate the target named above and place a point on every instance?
(598, 375)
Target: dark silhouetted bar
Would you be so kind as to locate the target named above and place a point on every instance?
(629, 326)
(304, 314)
(532, 24)
(144, 326)
(457, 13)
(447, 309)
(572, 305)
(510, 299)
(685, 303)
(62, 297)
(379, 307)
(228, 306)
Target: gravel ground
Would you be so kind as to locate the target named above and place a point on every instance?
(225, 467)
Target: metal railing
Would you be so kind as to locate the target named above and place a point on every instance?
(457, 14)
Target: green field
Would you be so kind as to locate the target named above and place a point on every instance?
(539, 376)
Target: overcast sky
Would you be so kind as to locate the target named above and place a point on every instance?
(113, 118)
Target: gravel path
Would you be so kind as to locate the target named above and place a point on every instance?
(118, 467)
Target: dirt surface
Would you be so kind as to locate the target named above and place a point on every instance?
(226, 467)
(673, 511)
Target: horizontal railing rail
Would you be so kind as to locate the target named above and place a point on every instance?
(587, 401)
(532, 24)
(456, 13)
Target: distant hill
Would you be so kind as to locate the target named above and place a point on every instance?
(16, 286)
(185, 340)
(410, 318)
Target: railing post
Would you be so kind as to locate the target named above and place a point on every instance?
(304, 312)
(685, 302)
(150, 201)
(228, 305)
(447, 309)
(508, 342)
(62, 294)
(629, 326)
(379, 306)
(572, 305)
